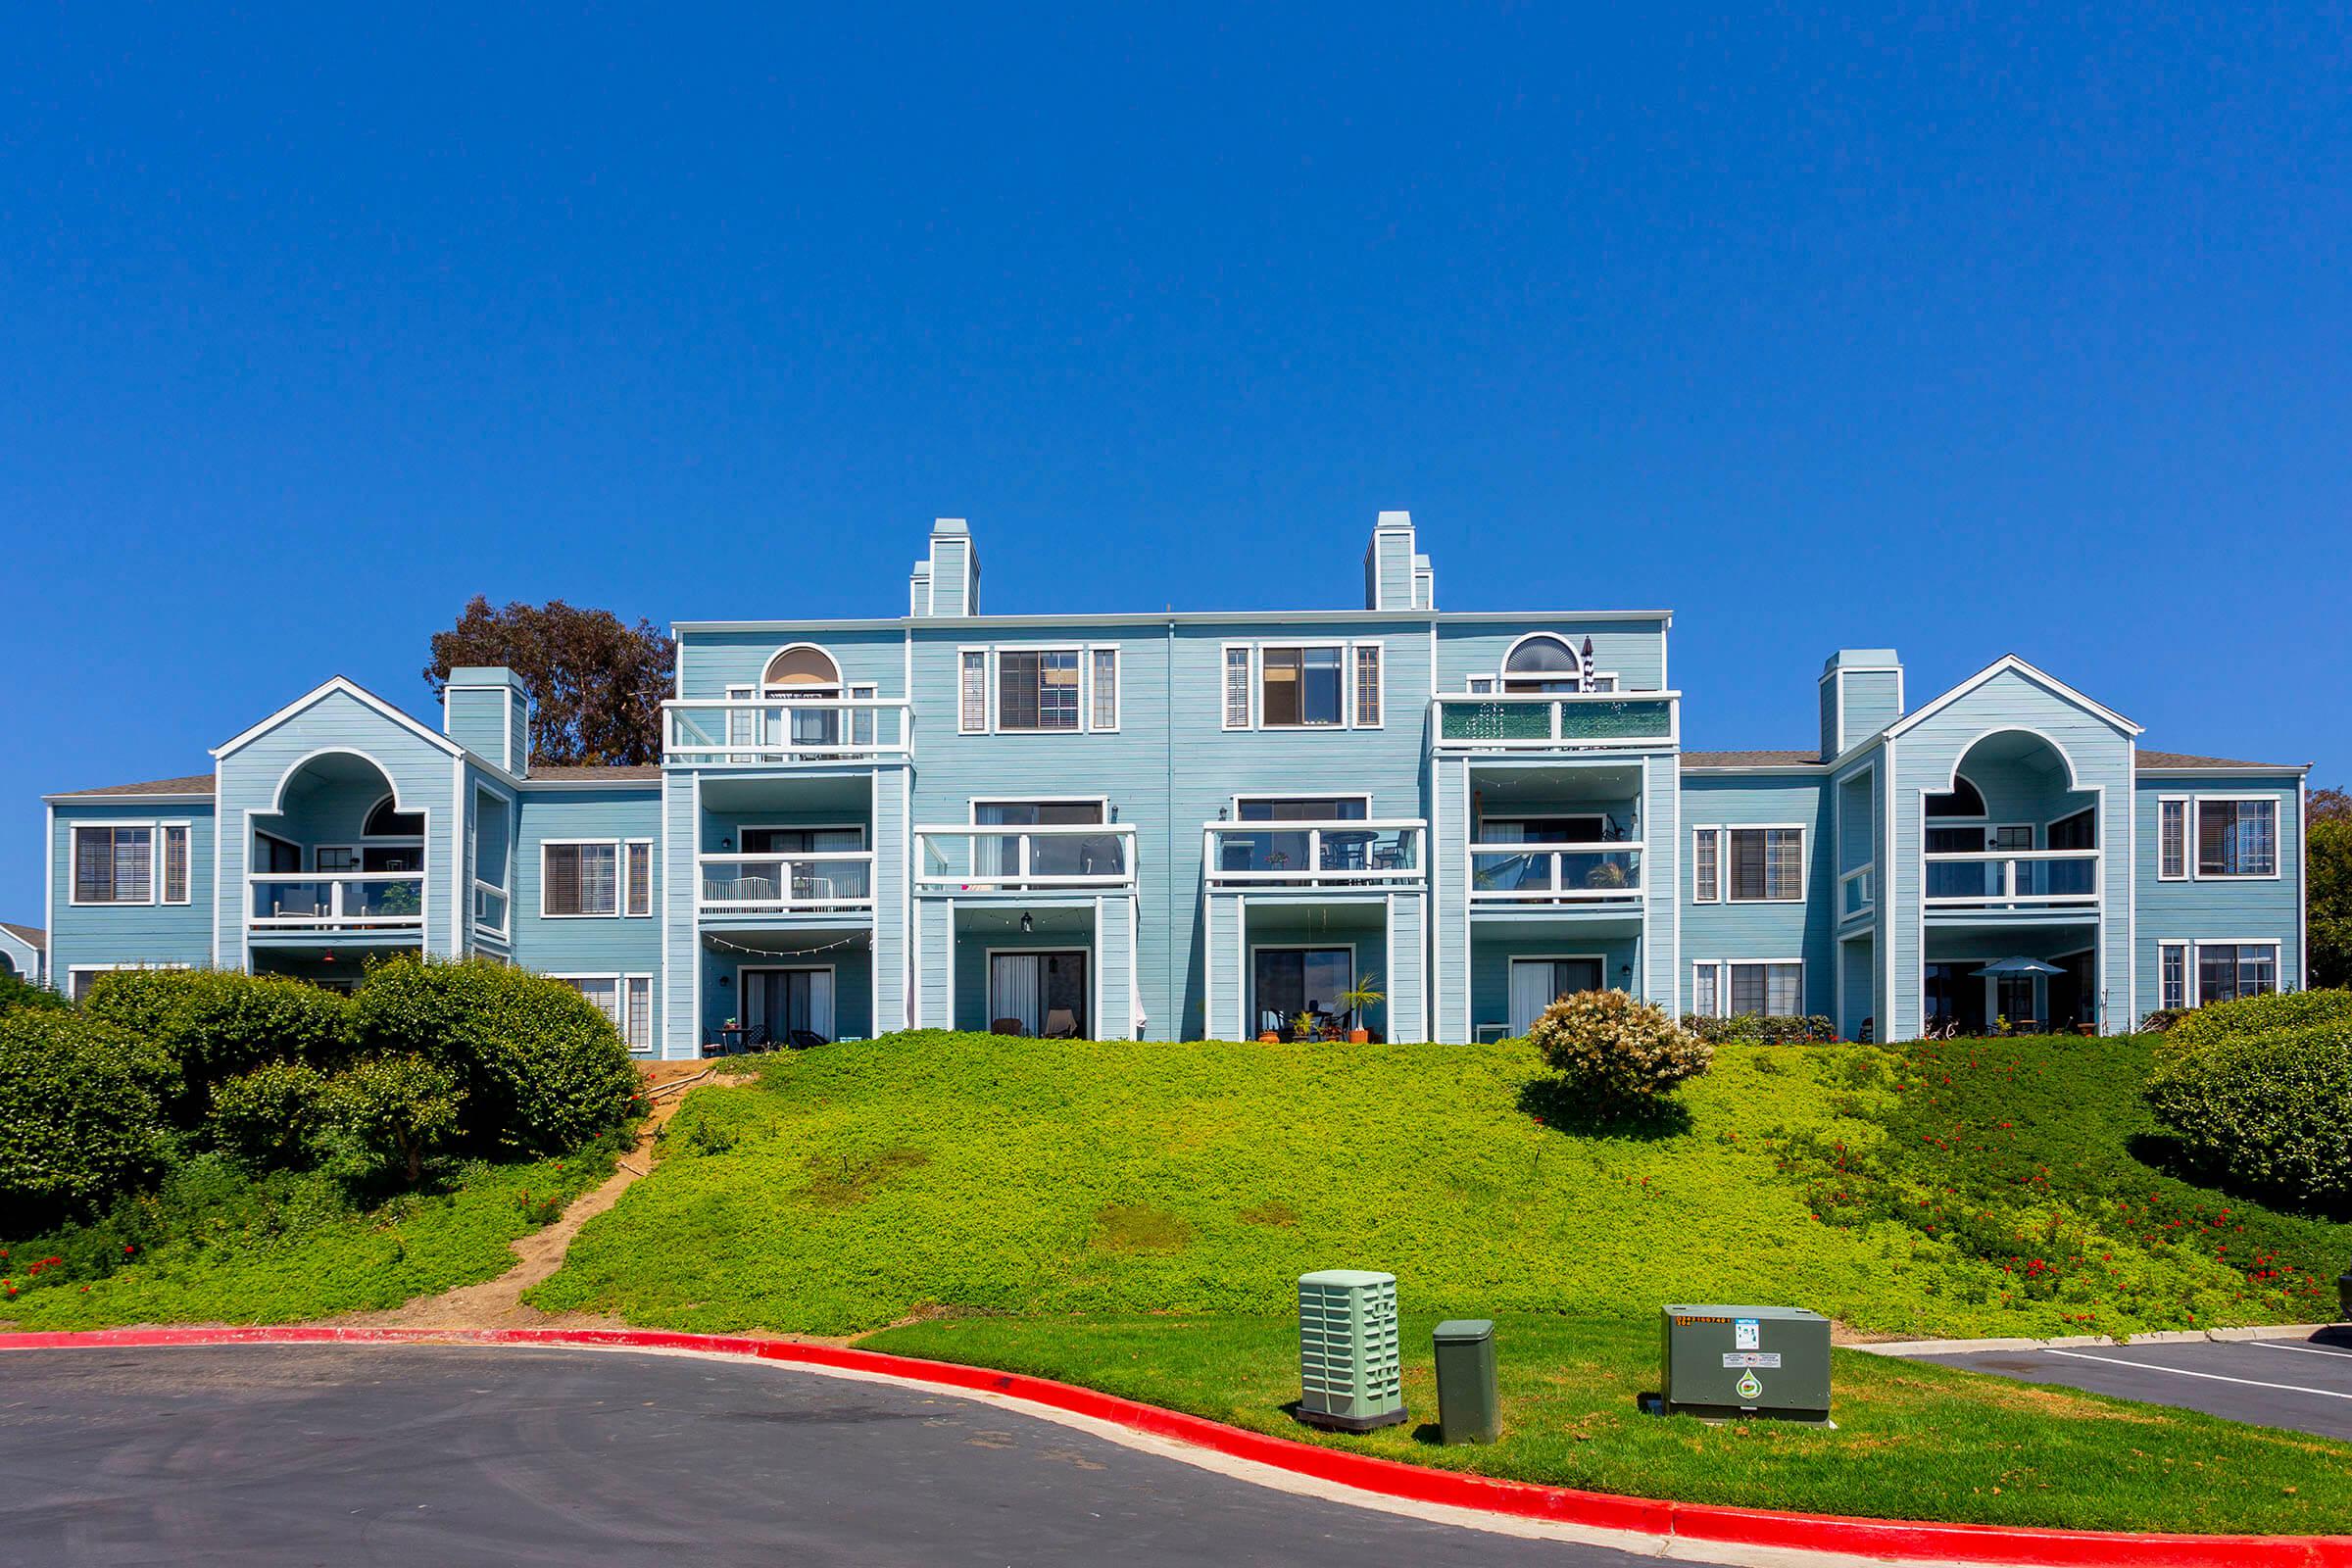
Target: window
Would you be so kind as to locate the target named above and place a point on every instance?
(2237, 838)
(1036, 690)
(640, 1030)
(81, 977)
(971, 713)
(2171, 964)
(580, 880)
(1766, 864)
(1706, 870)
(176, 864)
(1703, 979)
(1237, 688)
(641, 876)
(1304, 809)
(2171, 839)
(1542, 829)
(626, 999)
(388, 822)
(113, 865)
(2228, 970)
(1299, 687)
(1105, 714)
(1542, 664)
(1367, 686)
(1964, 800)
(1768, 989)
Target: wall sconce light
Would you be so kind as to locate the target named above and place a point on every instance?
(1027, 924)
(725, 980)
(1625, 972)
(726, 844)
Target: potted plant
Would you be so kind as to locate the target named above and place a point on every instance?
(1303, 1026)
(1359, 999)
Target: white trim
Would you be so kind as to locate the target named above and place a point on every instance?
(2196, 945)
(628, 880)
(1353, 700)
(1225, 653)
(1714, 894)
(832, 971)
(769, 663)
(988, 980)
(74, 969)
(1249, 1007)
(2189, 975)
(1723, 984)
(622, 981)
(155, 828)
(1088, 682)
(612, 844)
(973, 803)
(2011, 663)
(1723, 859)
(2193, 860)
(963, 653)
(365, 698)
(1257, 694)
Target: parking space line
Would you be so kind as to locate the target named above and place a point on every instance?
(2307, 1350)
(2214, 1377)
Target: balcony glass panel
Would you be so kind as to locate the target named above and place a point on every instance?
(1583, 874)
(332, 901)
(752, 883)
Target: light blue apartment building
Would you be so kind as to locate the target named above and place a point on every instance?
(1196, 824)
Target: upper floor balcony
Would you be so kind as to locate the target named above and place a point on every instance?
(1593, 875)
(777, 732)
(1545, 721)
(1043, 856)
(827, 882)
(1981, 881)
(308, 904)
(1342, 854)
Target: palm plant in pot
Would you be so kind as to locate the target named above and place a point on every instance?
(1360, 997)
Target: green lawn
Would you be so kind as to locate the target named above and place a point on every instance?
(214, 1245)
(1911, 1440)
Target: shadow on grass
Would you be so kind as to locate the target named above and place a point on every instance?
(2164, 1153)
(1563, 1109)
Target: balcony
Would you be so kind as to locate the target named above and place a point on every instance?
(2012, 881)
(1598, 875)
(1550, 721)
(776, 733)
(834, 882)
(303, 901)
(958, 857)
(1356, 855)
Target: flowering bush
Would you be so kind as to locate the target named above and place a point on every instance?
(1615, 1051)
(2273, 1109)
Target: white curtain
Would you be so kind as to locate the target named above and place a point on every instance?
(1531, 992)
(1016, 989)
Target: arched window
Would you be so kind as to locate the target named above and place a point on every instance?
(1542, 664)
(1965, 800)
(802, 664)
(387, 822)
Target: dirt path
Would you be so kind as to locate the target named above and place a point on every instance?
(498, 1303)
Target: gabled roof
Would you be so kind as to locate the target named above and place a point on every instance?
(191, 784)
(31, 936)
(596, 773)
(359, 694)
(2188, 761)
(2010, 664)
(1804, 758)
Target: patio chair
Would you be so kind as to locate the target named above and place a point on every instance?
(1007, 1026)
(803, 1039)
(1060, 1024)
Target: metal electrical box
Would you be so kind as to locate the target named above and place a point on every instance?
(1350, 1370)
(1727, 1362)
(1468, 1410)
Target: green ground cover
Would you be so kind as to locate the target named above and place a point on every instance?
(216, 1244)
(1911, 1440)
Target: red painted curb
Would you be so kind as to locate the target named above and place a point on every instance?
(1750, 1526)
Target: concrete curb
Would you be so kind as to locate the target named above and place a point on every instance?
(2076, 1341)
(1662, 1523)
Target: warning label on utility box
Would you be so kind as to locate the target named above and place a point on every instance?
(1746, 1333)
(1762, 1358)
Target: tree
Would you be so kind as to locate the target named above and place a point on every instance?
(596, 683)
(396, 1109)
(2327, 869)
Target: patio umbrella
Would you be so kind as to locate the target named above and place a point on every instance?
(2020, 965)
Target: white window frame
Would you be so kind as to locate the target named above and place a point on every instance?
(1089, 688)
(619, 871)
(993, 659)
(2194, 858)
(629, 1031)
(2196, 972)
(966, 724)
(2185, 804)
(1352, 701)
(1255, 659)
(2189, 975)
(622, 985)
(163, 883)
(1724, 977)
(1248, 653)
(628, 878)
(1711, 891)
(72, 969)
(1258, 684)
(1712, 972)
(1804, 866)
(153, 829)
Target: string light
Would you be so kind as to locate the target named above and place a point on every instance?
(858, 941)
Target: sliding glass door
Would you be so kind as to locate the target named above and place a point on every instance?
(1289, 981)
(1538, 982)
(785, 1001)
(1044, 991)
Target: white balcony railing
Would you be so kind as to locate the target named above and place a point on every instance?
(353, 901)
(2012, 879)
(1547, 721)
(1857, 891)
(1556, 873)
(960, 858)
(771, 732)
(837, 881)
(1333, 853)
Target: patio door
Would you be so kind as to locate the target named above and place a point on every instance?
(781, 1001)
(1285, 982)
(1538, 982)
(1045, 990)
(1954, 992)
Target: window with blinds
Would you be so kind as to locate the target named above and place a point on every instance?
(2171, 839)
(1766, 864)
(580, 880)
(1036, 690)
(1105, 694)
(1703, 998)
(114, 865)
(641, 876)
(971, 713)
(2237, 838)
(1367, 685)
(1237, 688)
(1768, 989)
(1706, 865)
(176, 864)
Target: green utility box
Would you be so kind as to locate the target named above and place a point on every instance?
(1351, 1374)
(1725, 1361)
(1467, 1410)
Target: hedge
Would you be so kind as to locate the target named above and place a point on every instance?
(212, 1025)
(2285, 1010)
(79, 1115)
(1814, 1030)
(2273, 1111)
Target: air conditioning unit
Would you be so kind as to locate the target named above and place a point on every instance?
(1350, 1377)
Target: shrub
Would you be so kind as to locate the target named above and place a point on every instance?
(2274, 1111)
(2286, 1010)
(78, 1116)
(271, 1115)
(1814, 1030)
(392, 1110)
(541, 1068)
(1615, 1051)
(216, 1023)
(18, 992)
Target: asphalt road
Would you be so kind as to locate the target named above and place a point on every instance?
(263, 1456)
(2303, 1385)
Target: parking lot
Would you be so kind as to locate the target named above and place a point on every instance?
(2301, 1384)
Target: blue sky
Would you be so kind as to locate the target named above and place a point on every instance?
(1941, 329)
